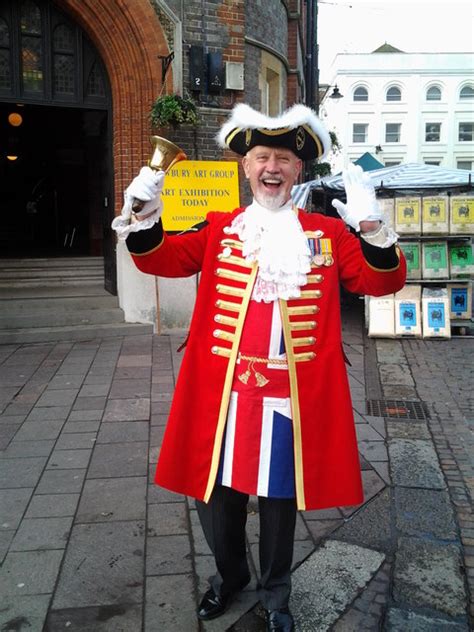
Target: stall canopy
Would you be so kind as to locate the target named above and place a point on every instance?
(368, 162)
(411, 176)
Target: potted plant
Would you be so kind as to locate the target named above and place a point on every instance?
(171, 110)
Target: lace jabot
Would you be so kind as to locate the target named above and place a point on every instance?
(276, 240)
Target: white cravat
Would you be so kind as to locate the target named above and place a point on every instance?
(276, 240)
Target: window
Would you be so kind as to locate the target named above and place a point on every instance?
(392, 132)
(361, 94)
(432, 132)
(359, 132)
(394, 94)
(433, 163)
(467, 92)
(466, 132)
(465, 164)
(5, 73)
(31, 47)
(63, 60)
(392, 163)
(433, 94)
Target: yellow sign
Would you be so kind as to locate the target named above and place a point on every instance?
(193, 188)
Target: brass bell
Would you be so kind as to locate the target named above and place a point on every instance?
(165, 155)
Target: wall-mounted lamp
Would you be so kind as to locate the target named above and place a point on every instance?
(335, 93)
(15, 119)
(12, 158)
(378, 149)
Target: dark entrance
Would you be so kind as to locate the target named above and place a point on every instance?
(52, 181)
(55, 146)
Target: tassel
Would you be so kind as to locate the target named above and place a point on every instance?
(260, 379)
(244, 377)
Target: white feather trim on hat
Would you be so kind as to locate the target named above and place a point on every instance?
(245, 117)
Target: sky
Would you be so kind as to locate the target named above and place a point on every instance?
(413, 26)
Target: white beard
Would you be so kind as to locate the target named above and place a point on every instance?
(272, 202)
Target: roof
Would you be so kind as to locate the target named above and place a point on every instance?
(409, 176)
(406, 176)
(387, 48)
(368, 162)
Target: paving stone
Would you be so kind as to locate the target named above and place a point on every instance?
(24, 613)
(427, 575)
(170, 605)
(6, 537)
(168, 555)
(13, 503)
(405, 621)
(75, 441)
(399, 391)
(133, 373)
(339, 571)
(134, 360)
(118, 460)
(65, 382)
(365, 432)
(40, 430)
(167, 519)
(157, 494)
(80, 427)
(373, 450)
(370, 526)
(30, 573)
(103, 565)
(52, 505)
(407, 430)
(42, 533)
(395, 374)
(108, 618)
(102, 500)
(127, 410)
(414, 463)
(89, 403)
(56, 397)
(61, 482)
(86, 415)
(69, 459)
(49, 413)
(389, 351)
(123, 431)
(425, 513)
(23, 472)
(130, 388)
(321, 529)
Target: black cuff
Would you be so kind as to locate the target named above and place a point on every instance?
(145, 240)
(380, 258)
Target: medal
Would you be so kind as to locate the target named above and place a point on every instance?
(328, 260)
(318, 260)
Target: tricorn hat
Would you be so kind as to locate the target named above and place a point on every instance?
(298, 129)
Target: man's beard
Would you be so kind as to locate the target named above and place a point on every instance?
(272, 202)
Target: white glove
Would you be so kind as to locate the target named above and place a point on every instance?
(147, 187)
(361, 203)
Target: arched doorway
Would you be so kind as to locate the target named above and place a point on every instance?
(55, 119)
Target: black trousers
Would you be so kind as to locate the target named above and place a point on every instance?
(223, 521)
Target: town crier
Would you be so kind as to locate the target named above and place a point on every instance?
(262, 404)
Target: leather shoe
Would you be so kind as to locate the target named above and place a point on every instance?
(213, 605)
(279, 620)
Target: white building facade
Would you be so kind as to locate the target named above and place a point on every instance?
(403, 107)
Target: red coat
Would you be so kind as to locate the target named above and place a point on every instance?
(327, 471)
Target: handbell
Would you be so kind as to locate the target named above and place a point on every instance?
(165, 155)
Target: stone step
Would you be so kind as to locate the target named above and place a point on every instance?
(57, 281)
(20, 307)
(52, 262)
(58, 317)
(76, 332)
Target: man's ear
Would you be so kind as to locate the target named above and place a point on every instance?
(299, 166)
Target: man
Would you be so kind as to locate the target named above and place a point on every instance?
(262, 404)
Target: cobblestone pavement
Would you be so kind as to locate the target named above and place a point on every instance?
(88, 543)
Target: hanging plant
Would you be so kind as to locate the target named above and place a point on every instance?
(173, 110)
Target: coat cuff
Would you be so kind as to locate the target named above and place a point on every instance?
(384, 259)
(145, 241)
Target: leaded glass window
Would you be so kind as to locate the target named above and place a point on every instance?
(64, 66)
(5, 71)
(31, 47)
(95, 82)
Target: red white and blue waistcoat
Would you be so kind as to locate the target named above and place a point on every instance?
(257, 451)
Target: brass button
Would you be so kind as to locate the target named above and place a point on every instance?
(318, 293)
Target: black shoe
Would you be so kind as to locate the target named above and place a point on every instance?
(279, 620)
(213, 605)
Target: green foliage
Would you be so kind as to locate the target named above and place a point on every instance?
(322, 169)
(173, 110)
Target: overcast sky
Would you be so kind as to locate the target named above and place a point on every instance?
(361, 26)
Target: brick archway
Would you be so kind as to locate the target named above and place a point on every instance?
(129, 41)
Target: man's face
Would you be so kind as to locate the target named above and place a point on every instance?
(271, 172)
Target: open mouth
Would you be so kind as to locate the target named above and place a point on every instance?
(271, 184)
